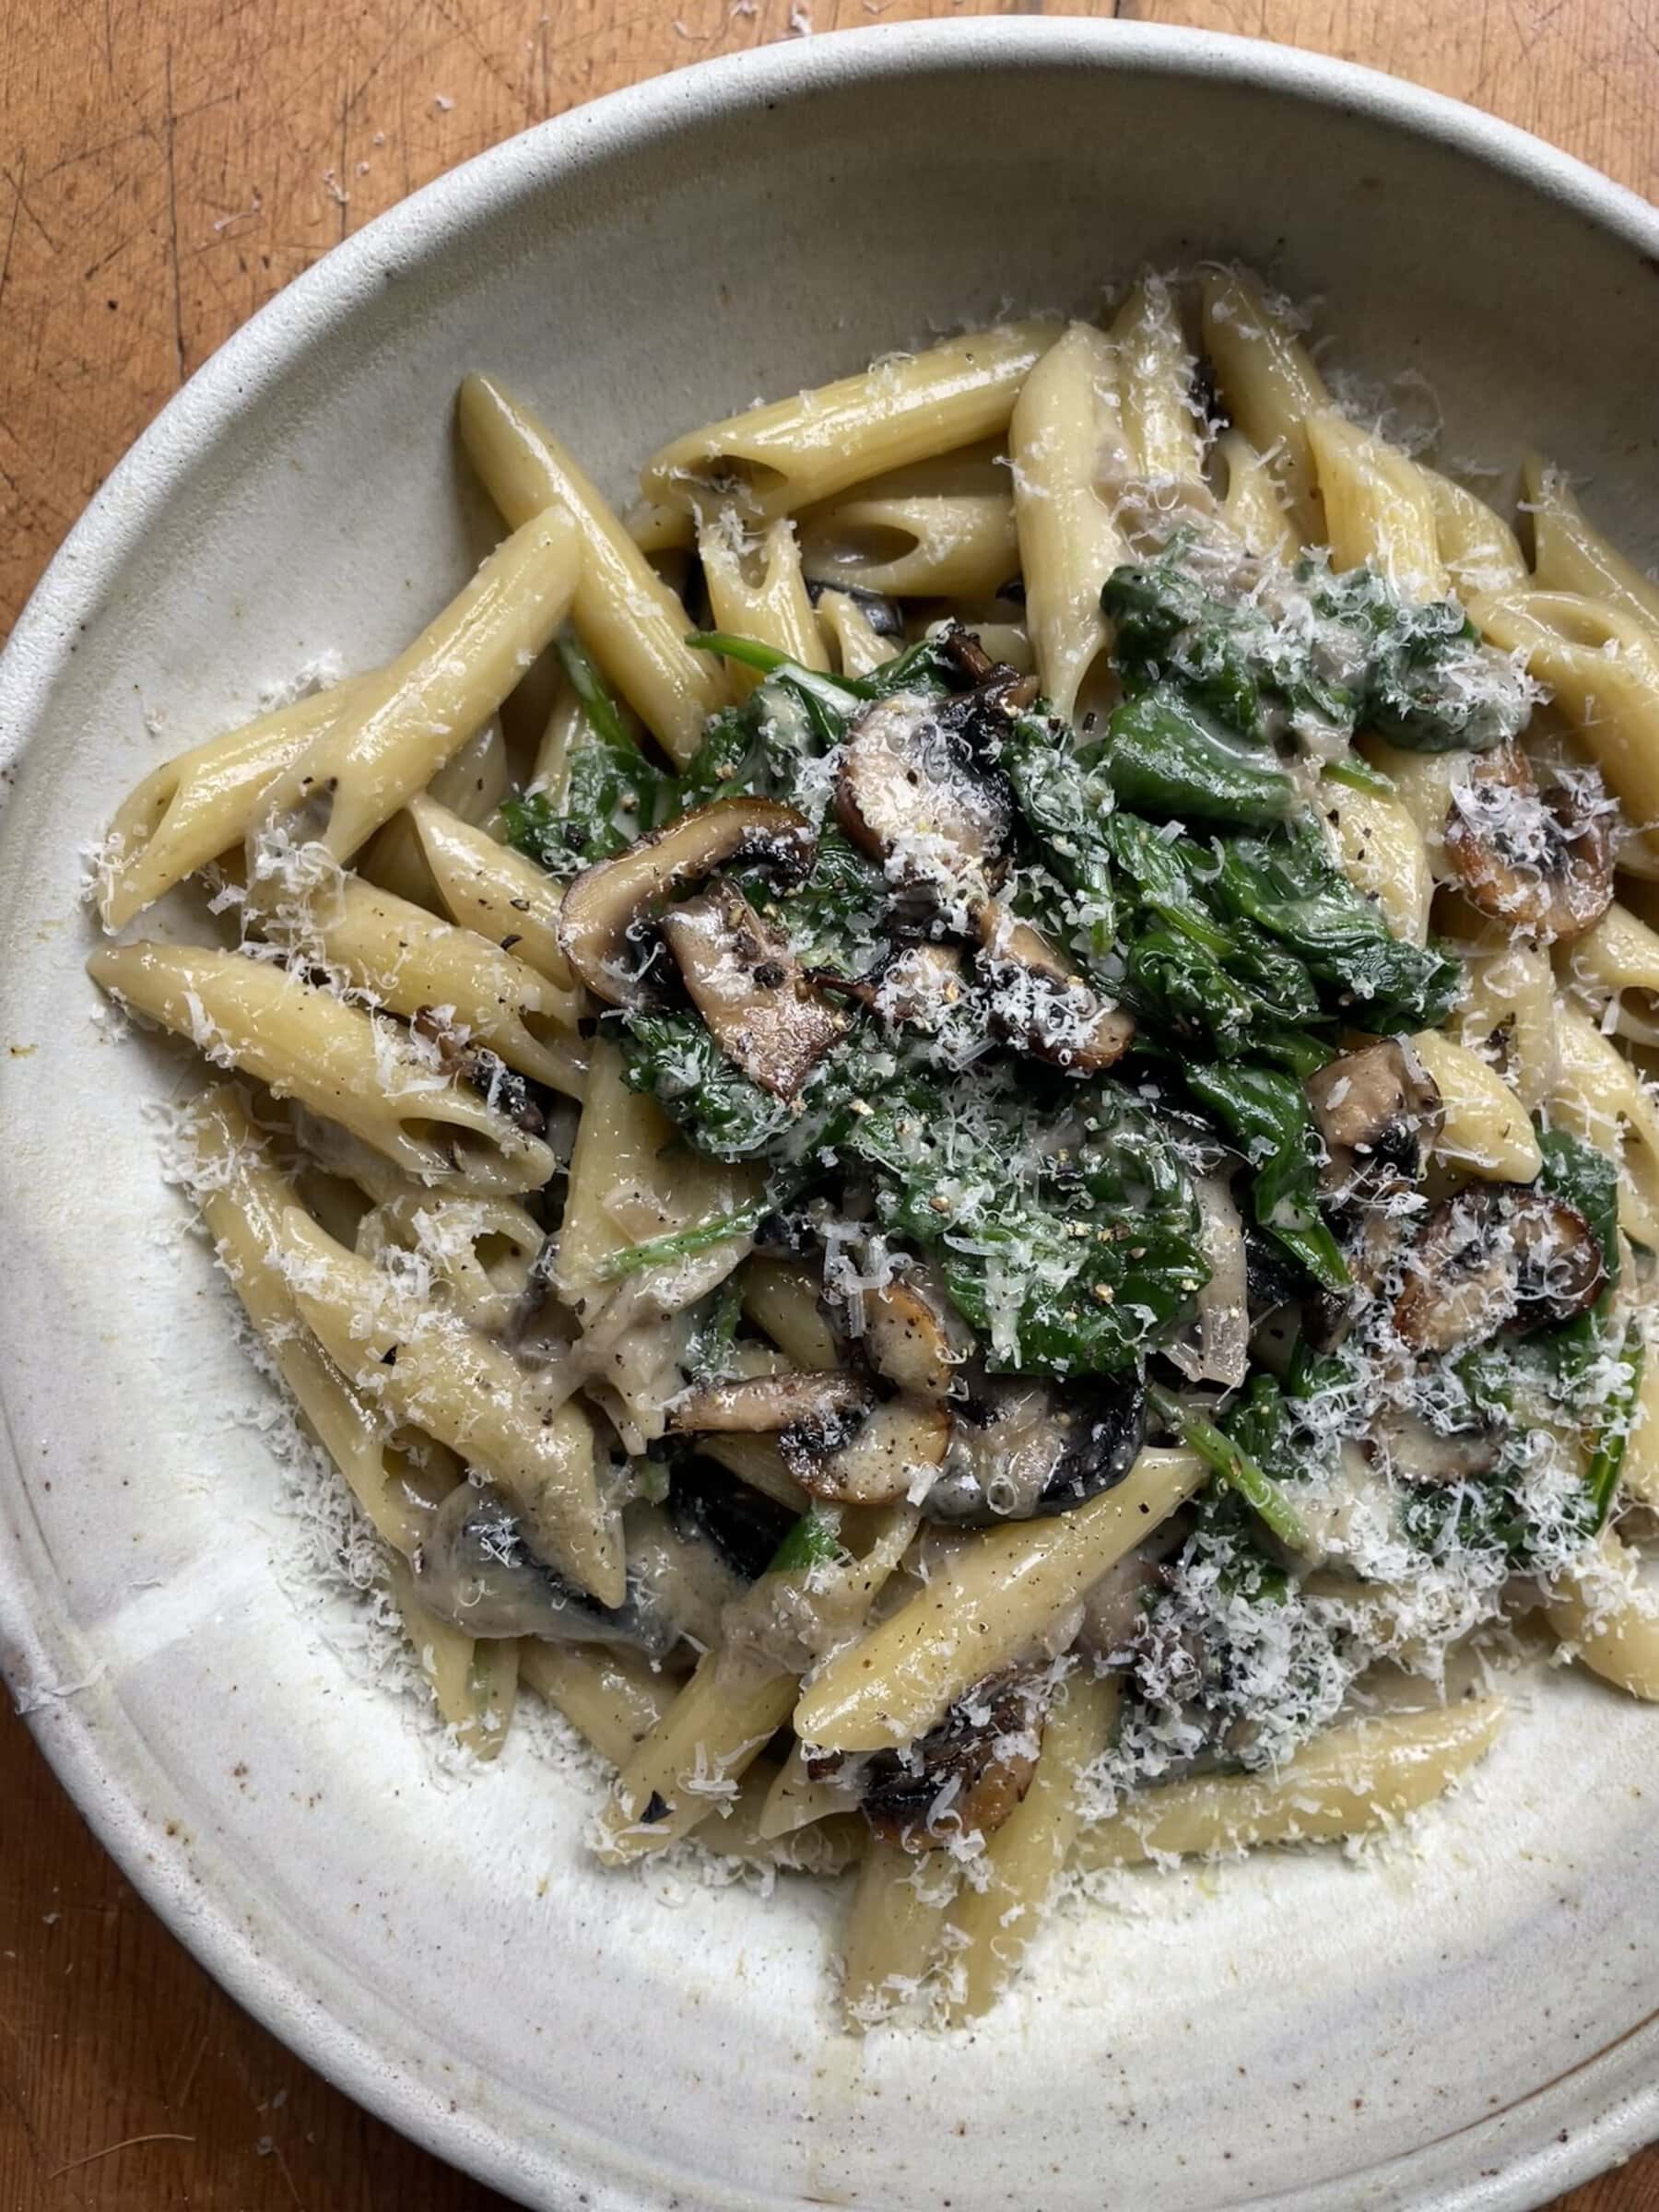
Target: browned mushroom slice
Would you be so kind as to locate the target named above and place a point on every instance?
(1022, 1448)
(911, 795)
(873, 1461)
(914, 987)
(1377, 1109)
(1541, 861)
(748, 986)
(1040, 1003)
(605, 903)
(1502, 1255)
(768, 1403)
(966, 1776)
(913, 1337)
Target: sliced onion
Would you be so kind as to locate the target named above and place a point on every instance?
(1220, 1351)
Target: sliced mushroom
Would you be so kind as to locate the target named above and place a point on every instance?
(1039, 1001)
(874, 1460)
(748, 987)
(603, 910)
(1372, 1247)
(1494, 1256)
(1033, 1451)
(913, 1337)
(472, 1568)
(1540, 861)
(1378, 1111)
(966, 1776)
(911, 795)
(766, 1403)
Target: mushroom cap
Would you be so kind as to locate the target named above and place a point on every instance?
(748, 987)
(606, 906)
(1497, 1256)
(1540, 861)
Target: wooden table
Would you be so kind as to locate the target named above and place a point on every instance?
(166, 166)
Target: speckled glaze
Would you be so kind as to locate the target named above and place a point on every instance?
(1466, 2026)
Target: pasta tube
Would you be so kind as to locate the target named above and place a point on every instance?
(779, 458)
(756, 589)
(1486, 1129)
(1477, 548)
(1601, 664)
(629, 618)
(429, 1368)
(243, 1198)
(1363, 1776)
(474, 1682)
(1382, 853)
(894, 1928)
(411, 962)
(349, 1066)
(1569, 554)
(1377, 508)
(610, 1695)
(1154, 374)
(993, 1600)
(1250, 507)
(859, 648)
(473, 784)
(407, 721)
(490, 889)
(996, 1917)
(961, 546)
(1609, 1621)
(1270, 386)
(1069, 538)
(1599, 1097)
(198, 805)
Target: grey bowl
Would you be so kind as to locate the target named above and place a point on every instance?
(1466, 2021)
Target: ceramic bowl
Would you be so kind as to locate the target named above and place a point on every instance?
(1465, 2021)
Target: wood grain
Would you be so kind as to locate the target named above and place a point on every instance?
(165, 167)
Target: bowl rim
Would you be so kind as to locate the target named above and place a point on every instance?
(37, 1650)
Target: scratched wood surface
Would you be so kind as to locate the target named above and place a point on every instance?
(165, 167)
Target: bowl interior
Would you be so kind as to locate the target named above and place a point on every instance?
(1419, 2029)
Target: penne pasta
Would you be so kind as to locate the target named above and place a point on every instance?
(199, 804)
(1614, 966)
(443, 1377)
(1486, 1129)
(782, 1298)
(1160, 424)
(1001, 1905)
(492, 889)
(1598, 1095)
(422, 709)
(1378, 511)
(1571, 555)
(1251, 506)
(412, 963)
(693, 1759)
(610, 1696)
(993, 1601)
(1366, 1776)
(904, 410)
(1477, 548)
(1508, 1018)
(959, 545)
(1382, 852)
(472, 786)
(1602, 667)
(756, 589)
(243, 1198)
(480, 1251)
(1069, 538)
(1268, 385)
(355, 1068)
(474, 1683)
(857, 646)
(894, 1929)
(629, 619)
(1605, 1618)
